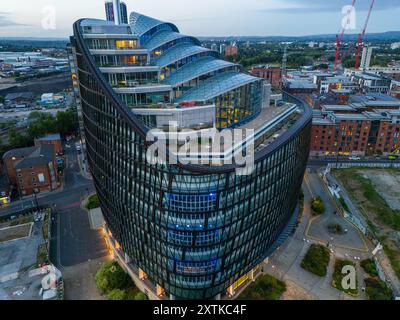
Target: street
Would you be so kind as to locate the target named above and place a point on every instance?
(73, 242)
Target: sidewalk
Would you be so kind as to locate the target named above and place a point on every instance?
(84, 169)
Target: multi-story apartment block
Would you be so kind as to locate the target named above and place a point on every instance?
(366, 127)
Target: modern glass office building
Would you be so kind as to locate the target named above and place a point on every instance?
(195, 230)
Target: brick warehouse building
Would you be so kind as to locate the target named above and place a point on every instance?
(53, 139)
(353, 130)
(31, 170)
(272, 74)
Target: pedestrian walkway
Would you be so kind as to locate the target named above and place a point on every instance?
(84, 169)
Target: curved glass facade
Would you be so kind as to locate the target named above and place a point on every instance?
(194, 230)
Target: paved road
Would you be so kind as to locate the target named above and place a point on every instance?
(77, 250)
(75, 241)
(318, 228)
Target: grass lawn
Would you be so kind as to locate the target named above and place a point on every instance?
(266, 287)
(338, 277)
(316, 260)
(15, 232)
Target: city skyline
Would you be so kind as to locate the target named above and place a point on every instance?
(237, 19)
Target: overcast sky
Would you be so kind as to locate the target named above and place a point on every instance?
(202, 17)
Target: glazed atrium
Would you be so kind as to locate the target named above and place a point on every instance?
(195, 229)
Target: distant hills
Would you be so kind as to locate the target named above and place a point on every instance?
(389, 36)
(33, 39)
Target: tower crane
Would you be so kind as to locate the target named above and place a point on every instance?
(362, 35)
(339, 38)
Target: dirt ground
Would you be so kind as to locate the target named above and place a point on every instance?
(387, 184)
(12, 233)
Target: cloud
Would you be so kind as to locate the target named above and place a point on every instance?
(312, 6)
(6, 21)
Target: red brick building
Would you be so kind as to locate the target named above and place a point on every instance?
(31, 170)
(272, 74)
(52, 139)
(344, 132)
(231, 51)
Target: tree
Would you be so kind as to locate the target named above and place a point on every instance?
(116, 294)
(42, 124)
(111, 276)
(1, 99)
(317, 206)
(16, 139)
(140, 296)
(67, 122)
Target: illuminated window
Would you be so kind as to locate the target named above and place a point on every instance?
(124, 44)
(132, 59)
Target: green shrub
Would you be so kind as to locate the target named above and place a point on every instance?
(316, 260)
(116, 294)
(344, 204)
(377, 290)
(369, 267)
(111, 276)
(93, 202)
(317, 206)
(141, 296)
(338, 277)
(335, 228)
(266, 287)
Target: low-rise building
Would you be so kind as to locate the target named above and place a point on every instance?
(272, 74)
(370, 82)
(31, 170)
(19, 98)
(51, 139)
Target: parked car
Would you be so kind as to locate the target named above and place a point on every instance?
(355, 158)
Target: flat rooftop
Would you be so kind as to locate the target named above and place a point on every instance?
(267, 126)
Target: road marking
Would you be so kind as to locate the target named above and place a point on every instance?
(72, 205)
(308, 185)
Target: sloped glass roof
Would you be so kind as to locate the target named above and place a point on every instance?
(195, 69)
(140, 23)
(180, 52)
(216, 86)
(163, 37)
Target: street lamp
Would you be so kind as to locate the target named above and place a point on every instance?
(36, 199)
(337, 154)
